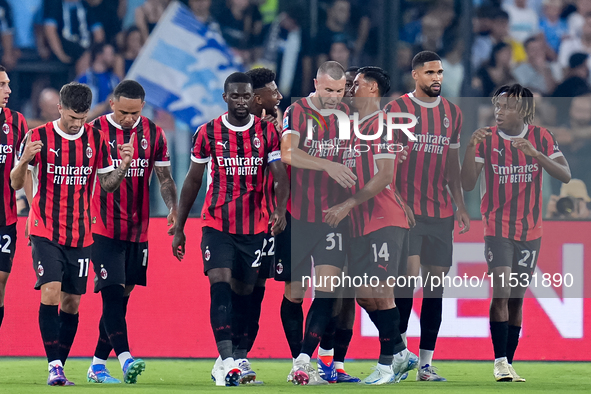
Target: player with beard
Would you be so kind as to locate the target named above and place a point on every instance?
(14, 128)
(432, 168)
(120, 225)
(245, 321)
(318, 180)
(238, 147)
(64, 157)
(513, 154)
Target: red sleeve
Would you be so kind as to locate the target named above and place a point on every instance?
(104, 160)
(292, 121)
(384, 148)
(455, 136)
(549, 145)
(201, 152)
(480, 152)
(162, 156)
(273, 147)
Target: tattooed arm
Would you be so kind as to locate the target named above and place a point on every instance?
(110, 181)
(168, 193)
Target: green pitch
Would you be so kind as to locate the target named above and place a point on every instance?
(27, 375)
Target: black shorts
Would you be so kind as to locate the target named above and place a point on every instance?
(267, 269)
(380, 253)
(521, 256)
(58, 263)
(313, 242)
(242, 253)
(432, 240)
(118, 262)
(7, 247)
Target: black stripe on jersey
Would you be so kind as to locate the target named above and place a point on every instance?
(412, 160)
(256, 152)
(104, 197)
(514, 193)
(500, 189)
(444, 131)
(225, 134)
(366, 168)
(215, 181)
(71, 193)
(56, 190)
(538, 180)
(139, 197)
(489, 186)
(117, 193)
(241, 183)
(426, 162)
(306, 174)
(43, 185)
(2, 211)
(16, 132)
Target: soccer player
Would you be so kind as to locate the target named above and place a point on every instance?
(350, 77)
(238, 147)
(245, 321)
(64, 157)
(120, 225)
(513, 154)
(14, 128)
(317, 179)
(425, 181)
(379, 226)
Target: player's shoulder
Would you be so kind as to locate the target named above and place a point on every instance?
(42, 129)
(403, 100)
(453, 106)
(10, 112)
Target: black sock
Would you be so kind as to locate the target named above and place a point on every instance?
(405, 308)
(292, 318)
(328, 340)
(220, 315)
(374, 318)
(318, 318)
(389, 334)
(114, 318)
(499, 331)
(103, 346)
(125, 302)
(512, 341)
(254, 314)
(49, 325)
(68, 329)
(430, 322)
(240, 311)
(1, 314)
(342, 338)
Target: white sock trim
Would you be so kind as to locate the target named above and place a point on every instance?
(325, 352)
(123, 357)
(54, 363)
(500, 359)
(303, 358)
(425, 357)
(98, 361)
(339, 365)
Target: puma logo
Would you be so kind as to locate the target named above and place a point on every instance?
(500, 152)
(112, 143)
(57, 152)
(385, 268)
(223, 144)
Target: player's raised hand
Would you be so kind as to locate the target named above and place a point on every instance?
(271, 119)
(335, 214)
(126, 150)
(172, 221)
(525, 146)
(479, 135)
(463, 220)
(31, 149)
(342, 174)
(403, 154)
(178, 244)
(278, 221)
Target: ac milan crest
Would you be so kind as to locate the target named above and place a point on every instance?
(207, 255)
(446, 122)
(89, 152)
(104, 273)
(279, 268)
(40, 269)
(6, 128)
(144, 144)
(256, 142)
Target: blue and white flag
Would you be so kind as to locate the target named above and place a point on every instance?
(183, 66)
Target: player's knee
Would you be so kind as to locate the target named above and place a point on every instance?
(367, 303)
(128, 290)
(242, 288)
(70, 303)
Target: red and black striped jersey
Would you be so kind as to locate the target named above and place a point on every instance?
(422, 177)
(14, 128)
(237, 158)
(511, 190)
(313, 192)
(125, 213)
(64, 173)
(386, 209)
(270, 199)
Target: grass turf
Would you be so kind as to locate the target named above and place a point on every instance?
(28, 375)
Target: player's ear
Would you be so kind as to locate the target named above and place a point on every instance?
(225, 97)
(315, 84)
(415, 75)
(258, 99)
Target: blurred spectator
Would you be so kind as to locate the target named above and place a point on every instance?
(100, 78)
(109, 13)
(48, 112)
(431, 38)
(339, 52)
(9, 54)
(576, 82)
(536, 72)
(241, 24)
(336, 29)
(546, 111)
(499, 32)
(132, 44)
(536, 5)
(70, 30)
(523, 21)
(576, 44)
(497, 72)
(555, 28)
(576, 20)
(571, 204)
(202, 11)
(148, 14)
(28, 29)
(453, 71)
